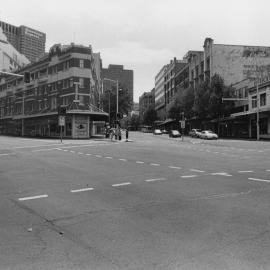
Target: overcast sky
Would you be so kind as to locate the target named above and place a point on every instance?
(143, 35)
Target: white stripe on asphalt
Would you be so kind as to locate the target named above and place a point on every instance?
(260, 180)
(80, 153)
(72, 151)
(80, 190)
(173, 167)
(154, 164)
(189, 176)
(221, 173)
(155, 179)
(48, 149)
(121, 184)
(122, 159)
(33, 197)
(139, 162)
(268, 170)
(109, 157)
(89, 154)
(195, 170)
(245, 171)
(98, 156)
(4, 154)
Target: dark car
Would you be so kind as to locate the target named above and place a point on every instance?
(174, 134)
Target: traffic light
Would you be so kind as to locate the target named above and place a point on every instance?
(119, 115)
(27, 77)
(62, 110)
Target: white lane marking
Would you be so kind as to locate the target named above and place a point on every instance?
(89, 154)
(65, 150)
(139, 162)
(81, 190)
(155, 179)
(98, 156)
(109, 157)
(154, 164)
(216, 152)
(268, 170)
(195, 170)
(260, 151)
(33, 197)
(189, 176)
(4, 154)
(32, 146)
(221, 173)
(121, 184)
(80, 153)
(174, 167)
(260, 180)
(48, 149)
(122, 159)
(72, 151)
(245, 171)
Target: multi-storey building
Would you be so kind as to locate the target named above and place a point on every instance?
(169, 80)
(66, 77)
(146, 101)
(11, 59)
(123, 76)
(26, 40)
(160, 93)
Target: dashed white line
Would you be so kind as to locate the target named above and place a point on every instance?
(4, 154)
(154, 164)
(174, 167)
(81, 190)
(72, 151)
(195, 170)
(260, 180)
(221, 173)
(99, 156)
(48, 149)
(80, 153)
(108, 157)
(139, 162)
(122, 159)
(189, 176)
(245, 171)
(155, 179)
(33, 197)
(268, 170)
(121, 184)
(89, 154)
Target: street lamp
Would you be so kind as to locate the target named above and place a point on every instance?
(117, 93)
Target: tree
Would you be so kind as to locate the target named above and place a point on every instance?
(135, 121)
(150, 116)
(109, 101)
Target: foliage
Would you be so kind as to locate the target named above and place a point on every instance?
(150, 116)
(135, 121)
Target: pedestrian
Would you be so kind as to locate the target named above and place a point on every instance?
(126, 134)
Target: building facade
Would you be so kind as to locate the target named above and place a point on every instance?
(26, 40)
(124, 76)
(146, 101)
(66, 77)
(160, 93)
(10, 58)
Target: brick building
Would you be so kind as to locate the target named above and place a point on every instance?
(124, 77)
(26, 40)
(65, 77)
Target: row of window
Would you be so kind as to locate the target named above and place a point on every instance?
(262, 100)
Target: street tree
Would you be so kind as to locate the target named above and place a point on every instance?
(150, 116)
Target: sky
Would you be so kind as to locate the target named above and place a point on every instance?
(143, 35)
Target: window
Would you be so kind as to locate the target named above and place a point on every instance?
(263, 99)
(81, 63)
(81, 82)
(53, 103)
(254, 101)
(81, 99)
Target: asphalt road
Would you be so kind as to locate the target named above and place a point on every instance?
(153, 203)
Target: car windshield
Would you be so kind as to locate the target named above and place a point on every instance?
(175, 132)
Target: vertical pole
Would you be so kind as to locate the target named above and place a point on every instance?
(117, 126)
(22, 113)
(61, 133)
(258, 111)
(110, 109)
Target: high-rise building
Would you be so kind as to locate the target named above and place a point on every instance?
(26, 40)
(124, 77)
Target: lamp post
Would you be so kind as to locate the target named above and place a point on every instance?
(117, 93)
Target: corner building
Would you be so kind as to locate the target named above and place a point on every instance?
(66, 77)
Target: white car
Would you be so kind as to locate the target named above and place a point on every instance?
(208, 135)
(157, 132)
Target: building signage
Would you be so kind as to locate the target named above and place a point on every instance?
(81, 127)
(61, 120)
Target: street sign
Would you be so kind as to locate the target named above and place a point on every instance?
(183, 123)
(61, 120)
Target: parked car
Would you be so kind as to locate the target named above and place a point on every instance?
(195, 132)
(174, 134)
(157, 132)
(164, 131)
(208, 134)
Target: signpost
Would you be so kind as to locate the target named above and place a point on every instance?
(183, 124)
(61, 123)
